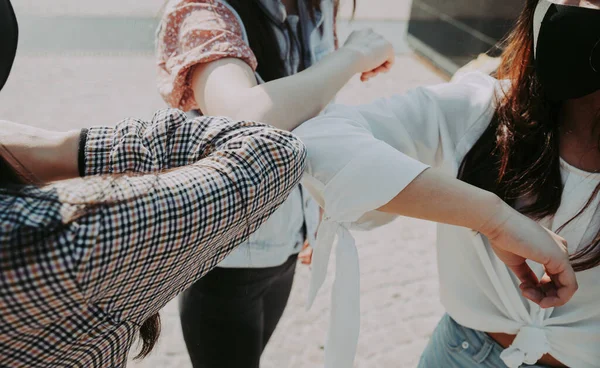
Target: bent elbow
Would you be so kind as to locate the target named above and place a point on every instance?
(295, 163)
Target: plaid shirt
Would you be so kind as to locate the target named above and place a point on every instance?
(84, 262)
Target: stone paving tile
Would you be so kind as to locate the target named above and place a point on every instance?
(399, 276)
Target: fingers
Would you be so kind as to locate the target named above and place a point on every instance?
(533, 294)
(529, 282)
(541, 292)
(559, 284)
(555, 296)
(549, 292)
(383, 68)
(561, 276)
(548, 287)
(525, 274)
(305, 256)
(566, 286)
(366, 76)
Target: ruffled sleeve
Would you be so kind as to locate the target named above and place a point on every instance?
(193, 32)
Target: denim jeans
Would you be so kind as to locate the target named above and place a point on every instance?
(456, 346)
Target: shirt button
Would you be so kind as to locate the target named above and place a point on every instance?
(465, 345)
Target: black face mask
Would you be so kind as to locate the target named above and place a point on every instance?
(9, 35)
(567, 52)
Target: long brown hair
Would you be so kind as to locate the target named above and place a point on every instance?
(517, 157)
(14, 175)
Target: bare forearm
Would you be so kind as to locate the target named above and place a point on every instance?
(47, 155)
(438, 197)
(284, 103)
(288, 102)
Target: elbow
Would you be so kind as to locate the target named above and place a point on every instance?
(293, 162)
(243, 111)
(232, 111)
(243, 104)
(299, 160)
(302, 157)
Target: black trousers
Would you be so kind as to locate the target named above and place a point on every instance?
(229, 315)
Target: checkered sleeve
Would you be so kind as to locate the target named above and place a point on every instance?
(160, 232)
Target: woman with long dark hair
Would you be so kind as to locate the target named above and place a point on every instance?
(531, 137)
(274, 61)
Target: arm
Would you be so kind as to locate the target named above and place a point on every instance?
(228, 86)
(159, 233)
(444, 199)
(514, 237)
(48, 155)
(381, 147)
(204, 63)
(376, 157)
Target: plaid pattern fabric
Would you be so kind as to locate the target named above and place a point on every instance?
(84, 262)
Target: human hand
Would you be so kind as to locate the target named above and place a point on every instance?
(375, 54)
(305, 255)
(516, 238)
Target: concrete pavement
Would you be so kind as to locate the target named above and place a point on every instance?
(371, 9)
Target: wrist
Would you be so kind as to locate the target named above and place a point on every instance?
(57, 157)
(494, 213)
(44, 155)
(68, 154)
(353, 57)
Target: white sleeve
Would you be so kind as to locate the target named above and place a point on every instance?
(359, 158)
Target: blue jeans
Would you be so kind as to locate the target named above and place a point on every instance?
(456, 346)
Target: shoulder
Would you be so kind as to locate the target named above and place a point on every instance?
(471, 88)
(195, 32)
(215, 6)
(203, 14)
(470, 98)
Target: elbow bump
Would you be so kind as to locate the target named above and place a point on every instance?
(302, 159)
(300, 156)
(296, 161)
(284, 154)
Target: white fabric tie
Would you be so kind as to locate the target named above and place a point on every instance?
(528, 347)
(342, 337)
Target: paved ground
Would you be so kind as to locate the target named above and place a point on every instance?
(366, 9)
(400, 304)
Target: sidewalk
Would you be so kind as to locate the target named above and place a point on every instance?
(400, 307)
